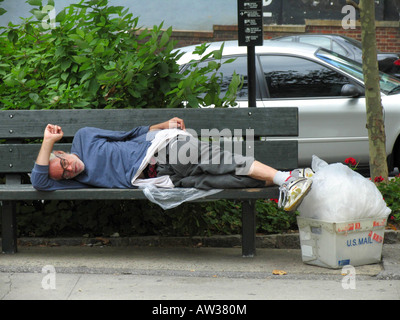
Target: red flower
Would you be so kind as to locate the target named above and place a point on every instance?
(351, 161)
(275, 200)
(378, 179)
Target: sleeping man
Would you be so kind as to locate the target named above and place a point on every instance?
(118, 159)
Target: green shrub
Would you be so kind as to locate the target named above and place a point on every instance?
(98, 57)
(141, 218)
(391, 192)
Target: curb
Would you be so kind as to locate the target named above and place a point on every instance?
(275, 241)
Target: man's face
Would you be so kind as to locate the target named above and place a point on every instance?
(65, 166)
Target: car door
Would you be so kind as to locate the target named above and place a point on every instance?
(331, 126)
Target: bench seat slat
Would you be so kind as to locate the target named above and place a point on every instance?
(27, 192)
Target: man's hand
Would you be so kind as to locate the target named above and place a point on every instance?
(53, 133)
(170, 124)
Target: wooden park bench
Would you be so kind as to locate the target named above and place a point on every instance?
(18, 153)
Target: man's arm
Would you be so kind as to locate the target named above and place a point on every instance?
(40, 172)
(170, 124)
(52, 134)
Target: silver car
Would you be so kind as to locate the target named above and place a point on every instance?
(327, 88)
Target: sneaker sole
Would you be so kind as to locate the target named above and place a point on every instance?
(298, 201)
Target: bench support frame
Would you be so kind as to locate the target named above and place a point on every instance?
(9, 227)
(248, 228)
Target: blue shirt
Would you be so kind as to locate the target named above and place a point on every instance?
(111, 159)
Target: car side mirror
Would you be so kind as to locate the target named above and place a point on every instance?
(350, 90)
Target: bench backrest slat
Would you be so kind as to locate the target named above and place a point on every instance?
(16, 125)
(21, 158)
(31, 123)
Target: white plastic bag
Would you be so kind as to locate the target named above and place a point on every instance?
(340, 194)
(171, 198)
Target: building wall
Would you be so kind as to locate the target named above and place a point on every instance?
(197, 21)
(388, 33)
(198, 15)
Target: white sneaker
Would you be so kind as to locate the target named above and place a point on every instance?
(292, 193)
(302, 173)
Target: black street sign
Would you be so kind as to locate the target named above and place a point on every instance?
(250, 22)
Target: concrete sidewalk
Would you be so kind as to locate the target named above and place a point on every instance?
(128, 272)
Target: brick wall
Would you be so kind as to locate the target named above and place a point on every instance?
(388, 33)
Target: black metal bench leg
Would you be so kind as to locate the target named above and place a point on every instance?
(9, 227)
(248, 228)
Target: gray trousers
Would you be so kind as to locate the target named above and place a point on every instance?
(192, 163)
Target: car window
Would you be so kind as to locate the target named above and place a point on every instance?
(339, 49)
(317, 41)
(387, 82)
(240, 66)
(288, 39)
(294, 77)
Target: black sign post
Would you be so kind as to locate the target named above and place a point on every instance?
(250, 27)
